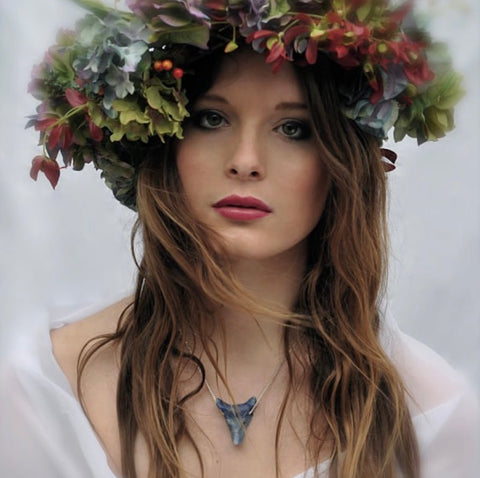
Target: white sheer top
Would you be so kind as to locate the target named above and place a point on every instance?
(45, 434)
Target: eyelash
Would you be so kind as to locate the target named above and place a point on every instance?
(304, 130)
(200, 120)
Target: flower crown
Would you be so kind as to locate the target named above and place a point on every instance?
(115, 83)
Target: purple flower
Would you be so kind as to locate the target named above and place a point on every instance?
(119, 85)
(375, 119)
(394, 81)
(160, 13)
(254, 16)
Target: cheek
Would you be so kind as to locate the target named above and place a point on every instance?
(311, 186)
(196, 163)
(197, 176)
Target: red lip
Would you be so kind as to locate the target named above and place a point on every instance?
(242, 208)
(246, 202)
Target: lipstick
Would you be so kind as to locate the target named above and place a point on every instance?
(240, 208)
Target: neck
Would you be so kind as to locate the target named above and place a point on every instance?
(244, 339)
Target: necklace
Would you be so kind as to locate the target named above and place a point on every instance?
(239, 415)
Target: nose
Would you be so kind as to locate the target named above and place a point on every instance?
(245, 161)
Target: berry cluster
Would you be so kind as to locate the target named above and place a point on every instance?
(167, 65)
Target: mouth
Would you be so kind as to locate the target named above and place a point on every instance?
(242, 202)
(242, 208)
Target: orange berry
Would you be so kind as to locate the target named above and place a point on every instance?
(167, 65)
(177, 73)
(157, 65)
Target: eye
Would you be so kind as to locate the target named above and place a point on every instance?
(294, 129)
(208, 119)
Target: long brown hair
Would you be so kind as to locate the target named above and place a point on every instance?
(334, 325)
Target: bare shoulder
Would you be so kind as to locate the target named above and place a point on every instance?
(69, 340)
(99, 378)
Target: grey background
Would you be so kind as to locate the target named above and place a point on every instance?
(64, 248)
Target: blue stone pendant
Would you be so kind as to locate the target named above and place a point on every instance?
(237, 416)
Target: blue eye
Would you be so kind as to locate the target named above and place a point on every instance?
(296, 130)
(208, 119)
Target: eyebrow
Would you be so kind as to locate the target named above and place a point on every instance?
(283, 106)
(291, 105)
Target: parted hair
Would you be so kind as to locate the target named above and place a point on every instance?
(358, 398)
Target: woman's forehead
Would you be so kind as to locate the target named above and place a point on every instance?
(246, 73)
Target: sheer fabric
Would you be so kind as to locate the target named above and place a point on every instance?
(45, 434)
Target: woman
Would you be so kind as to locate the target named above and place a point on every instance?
(262, 211)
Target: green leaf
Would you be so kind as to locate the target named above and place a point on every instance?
(115, 169)
(99, 9)
(438, 122)
(231, 46)
(193, 34)
(96, 113)
(62, 66)
(79, 136)
(160, 125)
(175, 111)
(278, 8)
(137, 132)
(130, 111)
(132, 131)
(364, 11)
(447, 92)
(154, 97)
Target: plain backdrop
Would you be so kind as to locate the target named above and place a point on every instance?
(69, 247)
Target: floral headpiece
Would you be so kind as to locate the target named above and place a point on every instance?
(116, 81)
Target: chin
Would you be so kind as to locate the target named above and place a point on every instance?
(264, 251)
(238, 252)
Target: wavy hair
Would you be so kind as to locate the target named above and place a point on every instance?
(334, 325)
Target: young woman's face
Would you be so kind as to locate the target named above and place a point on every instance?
(249, 163)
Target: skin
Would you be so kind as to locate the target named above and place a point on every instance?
(250, 136)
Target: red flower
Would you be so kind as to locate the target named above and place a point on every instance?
(294, 32)
(75, 98)
(415, 64)
(347, 40)
(304, 28)
(304, 18)
(277, 56)
(95, 132)
(334, 17)
(277, 53)
(59, 136)
(383, 53)
(311, 52)
(419, 73)
(44, 124)
(48, 166)
(260, 35)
